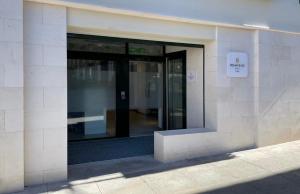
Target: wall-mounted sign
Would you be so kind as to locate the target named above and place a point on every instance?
(237, 64)
(191, 76)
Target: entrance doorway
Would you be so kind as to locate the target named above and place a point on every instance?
(123, 88)
(146, 97)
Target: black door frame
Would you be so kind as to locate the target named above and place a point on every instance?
(122, 74)
(172, 56)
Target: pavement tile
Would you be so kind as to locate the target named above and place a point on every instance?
(124, 186)
(268, 170)
(168, 182)
(65, 188)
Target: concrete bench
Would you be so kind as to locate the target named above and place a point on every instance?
(176, 145)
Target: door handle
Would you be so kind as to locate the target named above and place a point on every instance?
(123, 95)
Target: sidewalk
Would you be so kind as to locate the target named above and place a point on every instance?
(274, 170)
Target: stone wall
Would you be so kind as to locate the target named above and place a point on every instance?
(278, 89)
(235, 96)
(45, 94)
(11, 96)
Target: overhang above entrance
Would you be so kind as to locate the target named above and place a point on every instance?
(125, 26)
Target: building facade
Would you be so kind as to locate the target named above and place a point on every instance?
(208, 78)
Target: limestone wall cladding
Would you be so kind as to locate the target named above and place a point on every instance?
(11, 96)
(45, 94)
(234, 97)
(278, 92)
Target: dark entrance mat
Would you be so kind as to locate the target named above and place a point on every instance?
(108, 149)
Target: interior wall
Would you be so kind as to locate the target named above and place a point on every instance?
(194, 94)
(45, 94)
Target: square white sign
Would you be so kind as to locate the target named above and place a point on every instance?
(237, 64)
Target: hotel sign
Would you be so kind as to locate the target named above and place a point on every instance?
(237, 64)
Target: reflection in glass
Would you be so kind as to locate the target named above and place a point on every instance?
(176, 94)
(90, 45)
(146, 94)
(145, 49)
(91, 99)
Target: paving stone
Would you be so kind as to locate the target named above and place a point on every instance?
(124, 185)
(66, 188)
(168, 182)
(269, 170)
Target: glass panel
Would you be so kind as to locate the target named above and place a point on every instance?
(89, 45)
(91, 99)
(144, 49)
(175, 94)
(146, 97)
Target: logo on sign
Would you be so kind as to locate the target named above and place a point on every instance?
(237, 64)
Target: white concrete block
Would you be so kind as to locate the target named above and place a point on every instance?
(242, 94)
(55, 175)
(55, 56)
(13, 76)
(33, 55)
(14, 155)
(47, 76)
(60, 160)
(55, 98)
(211, 64)
(41, 119)
(2, 122)
(34, 149)
(12, 184)
(33, 13)
(14, 120)
(33, 98)
(11, 98)
(11, 54)
(34, 178)
(13, 30)
(224, 48)
(56, 139)
(54, 15)
(2, 75)
(44, 34)
(12, 9)
(175, 145)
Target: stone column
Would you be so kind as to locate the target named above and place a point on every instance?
(45, 93)
(11, 96)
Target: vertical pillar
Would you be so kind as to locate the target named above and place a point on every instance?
(11, 96)
(45, 93)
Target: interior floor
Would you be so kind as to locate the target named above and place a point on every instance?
(143, 123)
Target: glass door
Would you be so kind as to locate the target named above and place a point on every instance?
(146, 97)
(176, 90)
